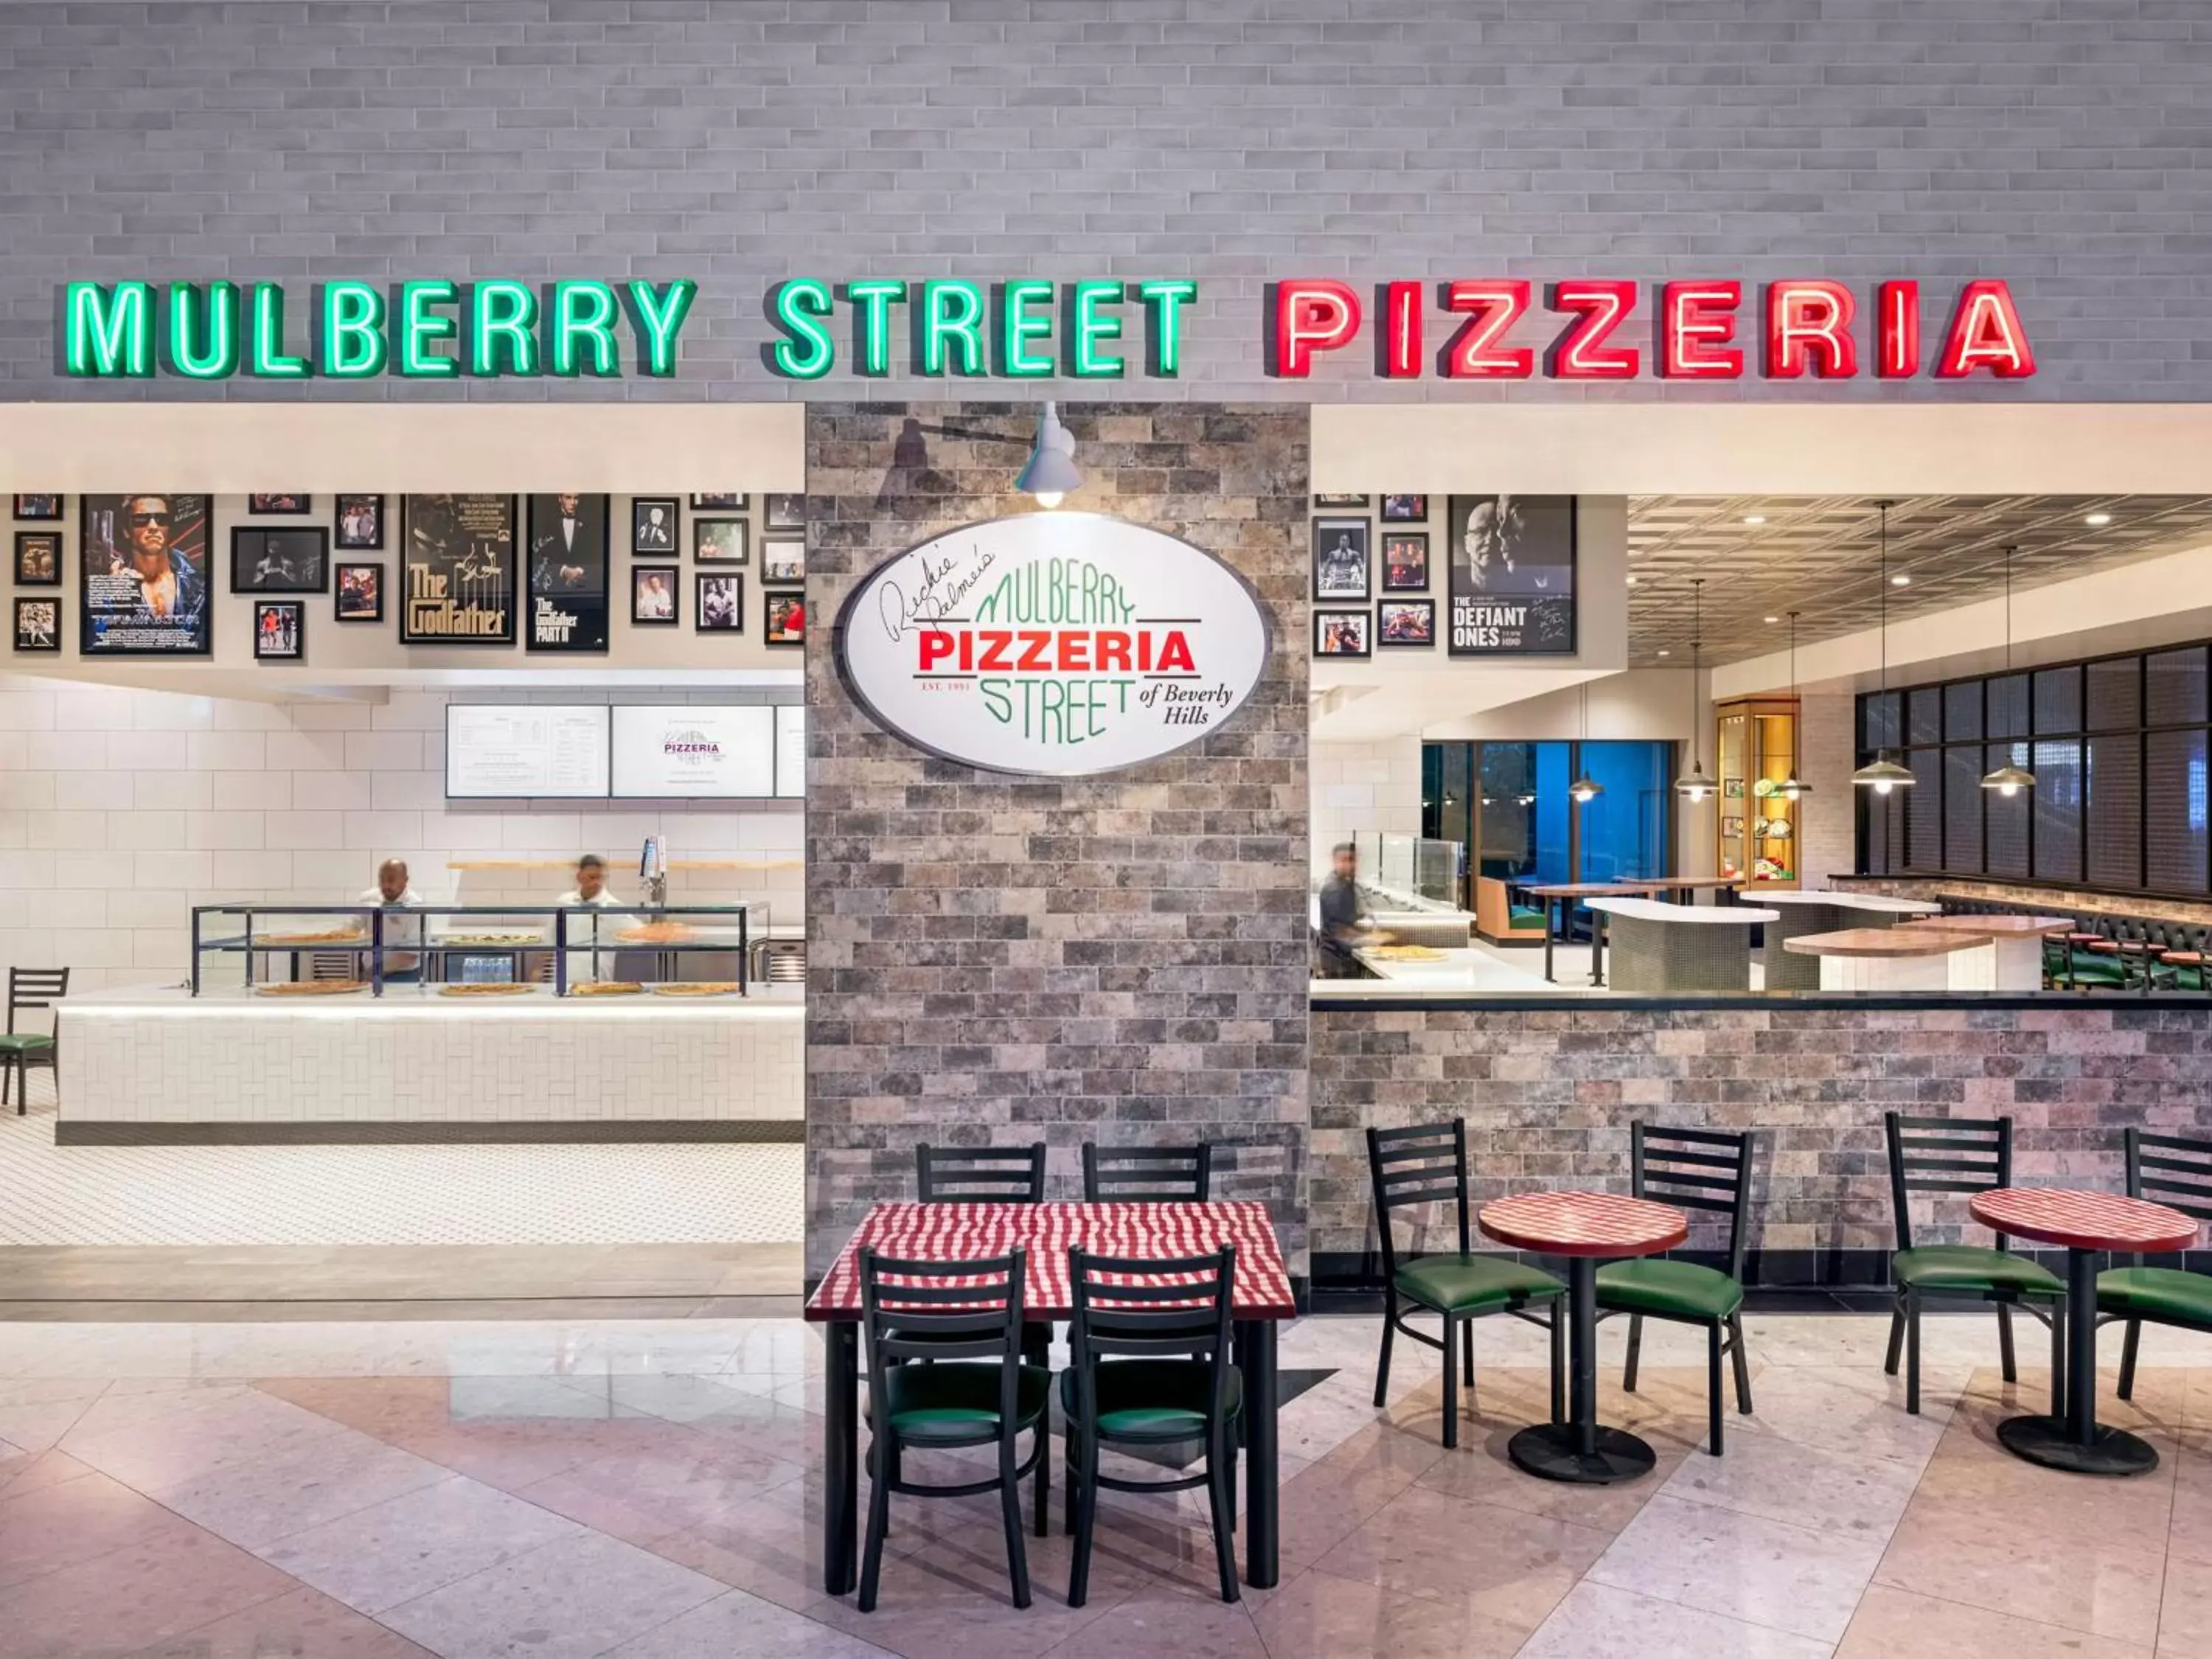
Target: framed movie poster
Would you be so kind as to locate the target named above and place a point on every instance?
(1339, 559)
(568, 573)
(291, 560)
(361, 524)
(143, 562)
(361, 593)
(783, 561)
(38, 558)
(1341, 502)
(280, 630)
(1406, 622)
(1341, 633)
(1511, 582)
(1405, 562)
(457, 570)
(34, 508)
(39, 625)
(721, 605)
(653, 526)
(785, 623)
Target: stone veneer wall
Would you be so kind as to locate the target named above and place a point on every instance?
(1003, 959)
(1548, 1096)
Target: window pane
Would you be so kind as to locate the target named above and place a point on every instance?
(2113, 823)
(1923, 714)
(2058, 700)
(2174, 687)
(2116, 695)
(2174, 810)
(1873, 832)
(1507, 803)
(2057, 769)
(2007, 833)
(1924, 811)
(1880, 717)
(2008, 706)
(1962, 711)
(1962, 810)
(1624, 828)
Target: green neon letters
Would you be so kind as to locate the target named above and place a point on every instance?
(422, 329)
(958, 327)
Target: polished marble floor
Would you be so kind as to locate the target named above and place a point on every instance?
(646, 1489)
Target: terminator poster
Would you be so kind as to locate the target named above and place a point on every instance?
(568, 573)
(1512, 576)
(144, 564)
(457, 570)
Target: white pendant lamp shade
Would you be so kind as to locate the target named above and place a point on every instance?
(2009, 780)
(1884, 775)
(1051, 475)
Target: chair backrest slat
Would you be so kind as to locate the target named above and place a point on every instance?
(1421, 1164)
(941, 1310)
(1188, 1316)
(1147, 1175)
(35, 987)
(980, 1175)
(2177, 1174)
(1944, 1155)
(1660, 1169)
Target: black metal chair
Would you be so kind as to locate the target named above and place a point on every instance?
(31, 989)
(1961, 1155)
(1426, 1163)
(965, 1318)
(2176, 1171)
(1147, 1175)
(1150, 1366)
(980, 1175)
(1695, 1170)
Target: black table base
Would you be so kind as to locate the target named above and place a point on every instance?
(2077, 1443)
(1578, 1450)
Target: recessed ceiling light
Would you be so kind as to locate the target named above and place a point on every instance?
(1666, 653)
(1901, 580)
(1631, 582)
(1754, 518)
(2096, 520)
(1774, 619)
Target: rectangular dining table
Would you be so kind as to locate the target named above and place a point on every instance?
(1261, 1298)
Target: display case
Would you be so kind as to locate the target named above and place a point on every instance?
(1421, 872)
(464, 952)
(1755, 743)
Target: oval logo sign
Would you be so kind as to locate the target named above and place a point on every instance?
(1056, 644)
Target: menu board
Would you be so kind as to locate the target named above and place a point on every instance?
(495, 750)
(791, 749)
(694, 751)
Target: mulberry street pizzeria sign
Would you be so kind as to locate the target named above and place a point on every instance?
(1056, 644)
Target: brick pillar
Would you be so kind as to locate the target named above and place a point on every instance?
(1001, 959)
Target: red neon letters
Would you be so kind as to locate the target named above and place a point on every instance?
(1810, 329)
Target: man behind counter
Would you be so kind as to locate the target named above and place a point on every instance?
(392, 893)
(1340, 926)
(591, 888)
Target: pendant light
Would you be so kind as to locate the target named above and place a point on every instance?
(1883, 775)
(1693, 785)
(1585, 789)
(2009, 780)
(1051, 475)
(1790, 789)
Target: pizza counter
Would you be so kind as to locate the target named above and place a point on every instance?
(163, 1066)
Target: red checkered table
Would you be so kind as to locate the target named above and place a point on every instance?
(2086, 1222)
(1583, 1227)
(1261, 1297)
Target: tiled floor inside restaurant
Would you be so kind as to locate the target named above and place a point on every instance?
(365, 1490)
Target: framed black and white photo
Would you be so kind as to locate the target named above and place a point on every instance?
(719, 541)
(1406, 621)
(1510, 580)
(359, 593)
(36, 509)
(1341, 633)
(1339, 559)
(361, 524)
(568, 559)
(719, 503)
(39, 625)
(783, 561)
(38, 558)
(653, 596)
(785, 623)
(1405, 562)
(784, 513)
(280, 630)
(653, 523)
(267, 559)
(143, 564)
(264, 505)
(457, 570)
(1405, 509)
(1341, 503)
(721, 605)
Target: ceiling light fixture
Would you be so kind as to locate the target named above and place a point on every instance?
(1051, 475)
(1901, 580)
(1882, 774)
(1790, 789)
(1754, 518)
(1693, 785)
(1585, 788)
(2096, 520)
(2009, 780)
(1776, 619)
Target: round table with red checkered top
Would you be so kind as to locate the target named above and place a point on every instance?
(1586, 1228)
(2085, 1223)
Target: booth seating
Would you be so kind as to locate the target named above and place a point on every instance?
(1499, 919)
(2073, 961)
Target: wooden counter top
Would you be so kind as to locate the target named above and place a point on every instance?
(1993, 927)
(1879, 942)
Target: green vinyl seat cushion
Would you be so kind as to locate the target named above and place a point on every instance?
(1524, 915)
(2092, 968)
(1464, 1283)
(23, 1041)
(1672, 1290)
(1971, 1267)
(1154, 1399)
(2160, 1293)
(956, 1402)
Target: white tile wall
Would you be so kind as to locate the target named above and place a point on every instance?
(1363, 786)
(119, 810)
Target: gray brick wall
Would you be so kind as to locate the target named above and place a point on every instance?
(997, 959)
(2059, 143)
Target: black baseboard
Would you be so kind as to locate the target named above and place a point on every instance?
(76, 1132)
